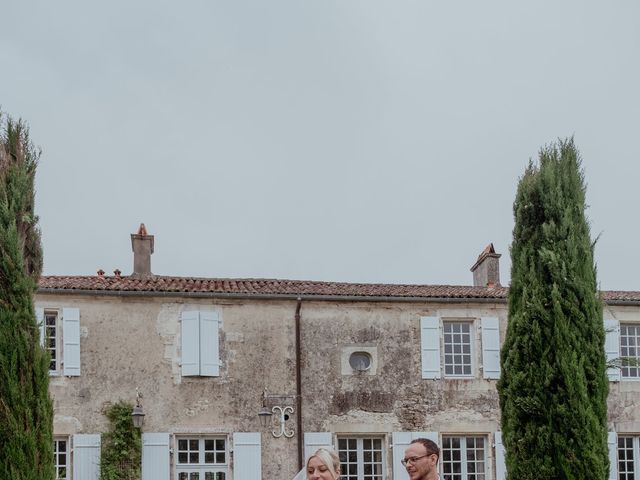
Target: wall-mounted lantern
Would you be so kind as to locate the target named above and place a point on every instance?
(283, 414)
(137, 414)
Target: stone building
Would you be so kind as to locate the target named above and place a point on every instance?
(363, 368)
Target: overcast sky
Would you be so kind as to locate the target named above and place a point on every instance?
(360, 141)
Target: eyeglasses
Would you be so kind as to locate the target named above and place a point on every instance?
(413, 460)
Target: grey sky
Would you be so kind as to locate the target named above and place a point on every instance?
(328, 140)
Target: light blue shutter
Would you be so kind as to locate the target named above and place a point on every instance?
(155, 456)
(71, 341)
(612, 441)
(190, 343)
(209, 349)
(40, 321)
(401, 441)
(86, 456)
(501, 466)
(490, 347)
(430, 344)
(247, 457)
(315, 440)
(612, 346)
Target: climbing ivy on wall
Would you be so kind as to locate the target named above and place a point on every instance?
(121, 446)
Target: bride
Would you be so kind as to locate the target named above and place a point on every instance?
(323, 464)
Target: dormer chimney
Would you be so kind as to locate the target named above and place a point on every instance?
(486, 270)
(142, 245)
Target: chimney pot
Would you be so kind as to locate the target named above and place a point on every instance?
(100, 272)
(117, 272)
(486, 270)
(142, 246)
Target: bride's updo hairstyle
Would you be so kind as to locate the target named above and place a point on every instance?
(329, 458)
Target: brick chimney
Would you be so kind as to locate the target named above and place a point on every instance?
(486, 270)
(142, 245)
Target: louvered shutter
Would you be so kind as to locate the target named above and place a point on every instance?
(190, 343)
(71, 341)
(401, 441)
(209, 349)
(155, 456)
(612, 346)
(612, 441)
(490, 347)
(430, 345)
(41, 326)
(247, 457)
(315, 440)
(86, 457)
(501, 466)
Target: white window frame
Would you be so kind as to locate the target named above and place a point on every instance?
(625, 371)
(472, 347)
(56, 356)
(464, 475)
(56, 457)
(634, 450)
(201, 467)
(360, 454)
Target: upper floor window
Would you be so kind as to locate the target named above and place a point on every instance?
(457, 349)
(452, 347)
(60, 336)
(361, 458)
(464, 458)
(201, 458)
(200, 338)
(630, 348)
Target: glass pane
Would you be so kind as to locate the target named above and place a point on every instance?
(183, 476)
(182, 444)
(209, 457)
(220, 476)
(194, 476)
(193, 457)
(182, 457)
(219, 457)
(193, 444)
(220, 444)
(208, 444)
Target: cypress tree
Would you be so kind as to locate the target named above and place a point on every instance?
(553, 389)
(26, 412)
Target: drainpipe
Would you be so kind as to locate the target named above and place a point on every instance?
(299, 386)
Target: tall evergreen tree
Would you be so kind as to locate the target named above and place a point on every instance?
(26, 412)
(553, 389)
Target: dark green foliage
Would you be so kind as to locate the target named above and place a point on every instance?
(554, 387)
(26, 413)
(121, 446)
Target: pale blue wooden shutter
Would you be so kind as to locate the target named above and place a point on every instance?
(190, 330)
(209, 348)
(501, 466)
(71, 341)
(315, 440)
(401, 441)
(40, 321)
(86, 457)
(155, 456)
(430, 345)
(612, 441)
(612, 346)
(247, 457)
(490, 347)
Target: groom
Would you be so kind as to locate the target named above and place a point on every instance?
(421, 459)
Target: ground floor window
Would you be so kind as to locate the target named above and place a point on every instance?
(464, 458)
(61, 458)
(628, 452)
(201, 458)
(361, 458)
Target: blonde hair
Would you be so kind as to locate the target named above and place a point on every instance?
(330, 459)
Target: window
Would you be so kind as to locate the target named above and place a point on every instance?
(61, 458)
(360, 361)
(466, 343)
(463, 458)
(60, 336)
(627, 453)
(201, 458)
(457, 349)
(52, 338)
(200, 350)
(361, 458)
(630, 347)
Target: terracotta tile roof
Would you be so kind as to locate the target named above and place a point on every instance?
(252, 286)
(288, 288)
